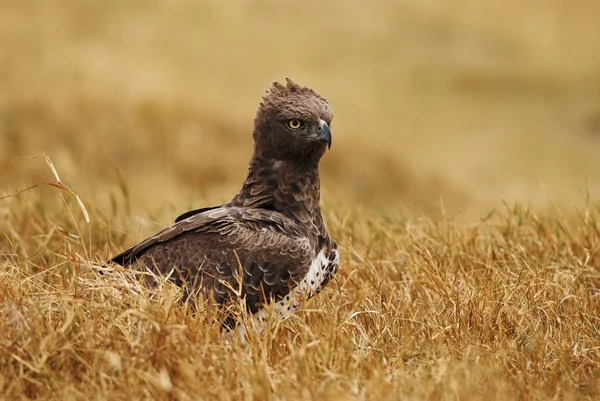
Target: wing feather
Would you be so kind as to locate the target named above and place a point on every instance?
(193, 212)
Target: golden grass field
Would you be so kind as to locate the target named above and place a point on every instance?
(462, 187)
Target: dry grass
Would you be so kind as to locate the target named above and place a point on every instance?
(504, 308)
(445, 111)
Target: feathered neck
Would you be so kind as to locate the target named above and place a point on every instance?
(290, 187)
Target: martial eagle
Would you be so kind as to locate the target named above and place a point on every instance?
(270, 237)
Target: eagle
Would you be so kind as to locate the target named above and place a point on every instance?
(269, 243)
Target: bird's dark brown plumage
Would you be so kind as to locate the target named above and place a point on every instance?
(271, 235)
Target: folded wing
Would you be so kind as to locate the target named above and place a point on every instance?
(255, 253)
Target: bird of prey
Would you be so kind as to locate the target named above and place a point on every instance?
(269, 243)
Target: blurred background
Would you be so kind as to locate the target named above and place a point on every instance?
(147, 106)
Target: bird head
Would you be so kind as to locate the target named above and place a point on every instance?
(292, 123)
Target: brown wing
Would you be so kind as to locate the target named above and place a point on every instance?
(215, 250)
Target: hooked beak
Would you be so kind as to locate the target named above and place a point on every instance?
(324, 133)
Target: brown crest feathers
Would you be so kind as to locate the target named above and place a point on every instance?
(293, 101)
(277, 89)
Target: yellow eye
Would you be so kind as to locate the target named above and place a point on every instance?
(294, 124)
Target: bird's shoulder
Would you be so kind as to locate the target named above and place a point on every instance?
(228, 225)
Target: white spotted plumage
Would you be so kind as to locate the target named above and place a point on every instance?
(323, 268)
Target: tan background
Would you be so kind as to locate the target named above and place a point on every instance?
(472, 102)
